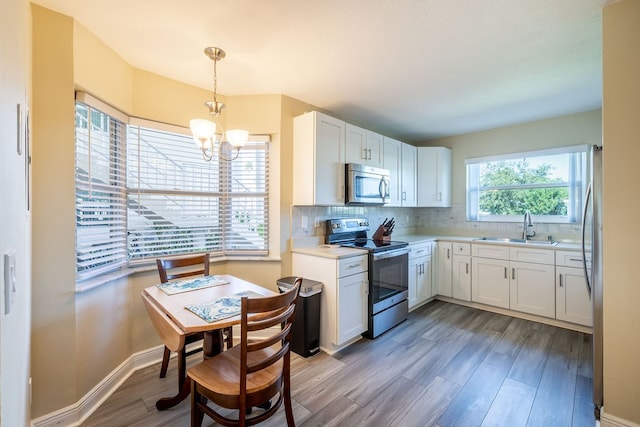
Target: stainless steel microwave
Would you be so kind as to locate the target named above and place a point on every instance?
(366, 185)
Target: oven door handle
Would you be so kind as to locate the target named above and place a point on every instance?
(389, 254)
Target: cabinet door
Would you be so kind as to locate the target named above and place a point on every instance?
(356, 144)
(533, 288)
(352, 307)
(490, 281)
(409, 195)
(329, 155)
(374, 149)
(434, 176)
(425, 290)
(392, 161)
(363, 146)
(414, 273)
(572, 299)
(461, 277)
(444, 269)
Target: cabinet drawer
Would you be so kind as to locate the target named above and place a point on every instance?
(462, 249)
(570, 259)
(490, 251)
(352, 265)
(419, 250)
(538, 256)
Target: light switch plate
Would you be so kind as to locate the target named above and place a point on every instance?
(9, 280)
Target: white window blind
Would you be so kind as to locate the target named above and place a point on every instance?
(179, 203)
(100, 198)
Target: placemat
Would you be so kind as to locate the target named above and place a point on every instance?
(220, 308)
(186, 285)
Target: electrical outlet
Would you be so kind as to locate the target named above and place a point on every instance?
(305, 222)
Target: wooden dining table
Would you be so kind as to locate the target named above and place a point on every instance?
(173, 322)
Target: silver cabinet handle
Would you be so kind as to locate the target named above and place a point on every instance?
(448, 253)
(467, 267)
(505, 273)
(513, 273)
(560, 280)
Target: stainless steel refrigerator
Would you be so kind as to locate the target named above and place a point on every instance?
(592, 261)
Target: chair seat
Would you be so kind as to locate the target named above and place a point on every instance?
(220, 376)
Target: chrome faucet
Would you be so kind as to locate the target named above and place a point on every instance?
(527, 226)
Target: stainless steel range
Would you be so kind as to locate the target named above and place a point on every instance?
(388, 272)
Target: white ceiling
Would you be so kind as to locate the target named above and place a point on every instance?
(410, 69)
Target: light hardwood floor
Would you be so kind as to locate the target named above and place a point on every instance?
(447, 365)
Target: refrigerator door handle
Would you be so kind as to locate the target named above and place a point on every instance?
(584, 250)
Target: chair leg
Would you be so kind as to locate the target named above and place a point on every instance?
(196, 414)
(165, 362)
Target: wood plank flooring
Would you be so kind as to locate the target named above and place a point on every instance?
(447, 365)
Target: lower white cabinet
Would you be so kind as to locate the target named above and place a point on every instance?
(461, 277)
(507, 280)
(490, 281)
(532, 288)
(444, 266)
(573, 303)
(344, 297)
(420, 281)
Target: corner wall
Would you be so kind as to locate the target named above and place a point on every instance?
(621, 125)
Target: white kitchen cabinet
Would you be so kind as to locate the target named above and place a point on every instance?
(444, 269)
(344, 297)
(318, 160)
(461, 271)
(392, 161)
(532, 288)
(518, 278)
(573, 303)
(363, 146)
(434, 177)
(420, 271)
(409, 176)
(490, 281)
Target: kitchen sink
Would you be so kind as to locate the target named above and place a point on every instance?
(518, 241)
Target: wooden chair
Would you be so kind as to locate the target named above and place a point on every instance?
(253, 372)
(177, 268)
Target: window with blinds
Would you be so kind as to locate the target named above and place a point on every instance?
(101, 228)
(143, 191)
(178, 203)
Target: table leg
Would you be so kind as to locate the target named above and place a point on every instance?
(211, 345)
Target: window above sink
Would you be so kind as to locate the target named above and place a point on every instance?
(549, 183)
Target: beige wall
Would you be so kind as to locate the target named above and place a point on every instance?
(621, 126)
(87, 335)
(15, 220)
(582, 128)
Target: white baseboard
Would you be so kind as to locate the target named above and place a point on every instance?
(74, 415)
(608, 420)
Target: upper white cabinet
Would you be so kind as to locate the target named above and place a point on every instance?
(434, 177)
(363, 146)
(318, 160)
(392, 161)
(409, 174)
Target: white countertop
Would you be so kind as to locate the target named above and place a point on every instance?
(330, 251)
(337, 252)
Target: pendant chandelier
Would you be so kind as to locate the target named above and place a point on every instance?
(204, 131)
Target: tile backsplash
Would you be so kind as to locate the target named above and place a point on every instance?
(309, 222)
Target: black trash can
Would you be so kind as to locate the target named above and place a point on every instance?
(305, 339)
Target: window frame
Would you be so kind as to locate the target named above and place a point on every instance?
(224, 218)
(579, 176)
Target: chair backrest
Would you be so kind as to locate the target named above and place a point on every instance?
(261, 314)
(175, 268)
